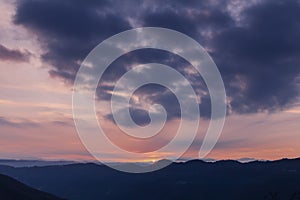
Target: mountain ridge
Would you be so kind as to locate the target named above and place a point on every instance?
(186, 180)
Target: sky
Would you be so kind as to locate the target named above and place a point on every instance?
(255, 45)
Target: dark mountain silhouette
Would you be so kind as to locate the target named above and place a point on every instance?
(191, 180)
(11, 189)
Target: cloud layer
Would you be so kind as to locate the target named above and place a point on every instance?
(255, 45)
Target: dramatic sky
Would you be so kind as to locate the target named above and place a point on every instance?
(255, 45)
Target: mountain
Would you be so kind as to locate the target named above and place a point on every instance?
(32, 163)
(10, 189)
(195, 179)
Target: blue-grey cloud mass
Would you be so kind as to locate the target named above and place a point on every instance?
(256, 48)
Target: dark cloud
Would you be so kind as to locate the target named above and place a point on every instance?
(14, 55)
(264, 55)
(168, 100)
(139, 116)
(152, 93)
(20, 124)
(69, 29)
(257, 50)
(192, 20)
(69, 123)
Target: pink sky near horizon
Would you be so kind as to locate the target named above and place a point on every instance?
(36, 115)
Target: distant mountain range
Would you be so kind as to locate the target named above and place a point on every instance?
(195, 179)
(43, 163)
(32, 163)
(11, 189)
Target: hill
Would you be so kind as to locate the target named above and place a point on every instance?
(191, 180)
(11, 189)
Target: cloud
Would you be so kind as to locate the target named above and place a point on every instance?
(17, 124)
(254, 44)
(71, 33)
(14, 55)
(263, 55)
(139, 116)
(63, 123)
